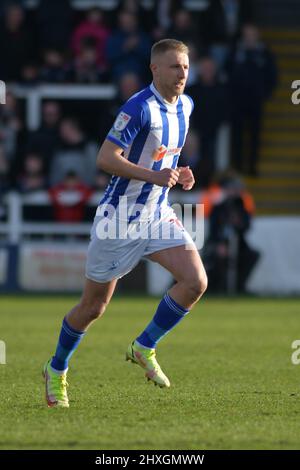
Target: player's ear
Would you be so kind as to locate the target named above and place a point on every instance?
(153, 67)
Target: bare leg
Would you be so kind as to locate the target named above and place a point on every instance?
(94, 300)
(187, 268)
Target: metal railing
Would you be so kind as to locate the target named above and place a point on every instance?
(15, 228)
(34, 96)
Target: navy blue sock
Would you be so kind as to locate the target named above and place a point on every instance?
(167, 315)
(68, 341)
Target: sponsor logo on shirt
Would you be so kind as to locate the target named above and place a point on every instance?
(163, 151)
(156, 127)
(121, 121)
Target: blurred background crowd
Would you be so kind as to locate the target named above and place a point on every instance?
(232, 74)
(68, 66)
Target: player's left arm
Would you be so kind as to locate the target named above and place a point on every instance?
(186, 177)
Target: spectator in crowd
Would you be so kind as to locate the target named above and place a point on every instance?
(5, 3)
(128, 48)
(183, 27)
(53, 68)
(33, 176)
(45, 141)
(85, 69)
(69, 198)
(75, 154)
(253, 76)
(164, 12)
(16, 44)
(54, 19)
(227, 256)
(101, 181)
(190, 155)
(93, 27)
(223, 21)
(30, 74)
(11, 132)
(211, 99)
(145, 17)
(4, 174)
(210, 197)
(194, 54)
(10, 125)
(128, 85)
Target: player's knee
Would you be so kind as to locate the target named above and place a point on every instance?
(95, 310)
(197, 287)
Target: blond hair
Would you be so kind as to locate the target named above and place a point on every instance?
(165, 45)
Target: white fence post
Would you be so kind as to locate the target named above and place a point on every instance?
(2, 352)
(15, 219)
(2, 92)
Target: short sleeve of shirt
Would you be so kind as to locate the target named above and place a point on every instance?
(129, 122)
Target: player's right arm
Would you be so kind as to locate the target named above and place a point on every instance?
(133, 118)
(110, 159)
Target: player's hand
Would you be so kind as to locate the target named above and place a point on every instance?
(186, 177)
(166, 177)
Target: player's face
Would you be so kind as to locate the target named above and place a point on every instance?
(170, 72)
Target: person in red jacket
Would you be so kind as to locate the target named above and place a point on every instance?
(69, 198)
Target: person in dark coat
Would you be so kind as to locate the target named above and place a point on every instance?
(128, 47)
(210, 96)
(253, 77)
(223, 21)
(16, 44)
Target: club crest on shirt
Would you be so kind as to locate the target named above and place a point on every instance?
(121, 121)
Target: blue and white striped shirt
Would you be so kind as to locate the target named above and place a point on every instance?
(152, 133)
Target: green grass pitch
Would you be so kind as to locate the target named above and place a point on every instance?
(233, 383)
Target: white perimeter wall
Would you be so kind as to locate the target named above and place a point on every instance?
(278, 269)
